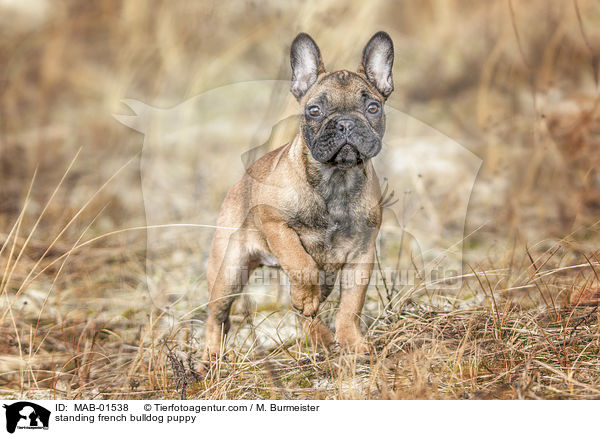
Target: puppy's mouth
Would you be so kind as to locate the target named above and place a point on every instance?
(347, 157)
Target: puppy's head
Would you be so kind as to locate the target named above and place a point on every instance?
(343, 120)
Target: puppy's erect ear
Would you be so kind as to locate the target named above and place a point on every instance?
(377, 61)
(305, 58)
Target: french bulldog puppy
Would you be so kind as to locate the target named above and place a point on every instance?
(313, 206)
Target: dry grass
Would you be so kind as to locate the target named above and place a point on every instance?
(515, 82)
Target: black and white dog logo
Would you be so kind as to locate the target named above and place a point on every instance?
(26, 415)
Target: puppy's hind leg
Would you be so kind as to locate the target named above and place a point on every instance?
(227, 274)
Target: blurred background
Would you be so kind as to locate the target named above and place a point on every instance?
(514, 83)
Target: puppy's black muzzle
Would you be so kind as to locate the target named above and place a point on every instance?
(345, 142)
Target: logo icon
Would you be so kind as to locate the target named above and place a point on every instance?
(26, 415)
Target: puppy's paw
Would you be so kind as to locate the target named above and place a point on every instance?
(361, 348)
(307, 303)
(210, 364)
(207, 362)
(320, 336)
(353, 342)
(358, 348)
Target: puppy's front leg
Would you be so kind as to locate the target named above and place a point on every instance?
(299, 266)
(303, 273)
(354, 284)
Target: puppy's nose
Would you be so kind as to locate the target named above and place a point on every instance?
(345, 126)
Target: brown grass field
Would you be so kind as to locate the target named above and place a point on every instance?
(514, 82)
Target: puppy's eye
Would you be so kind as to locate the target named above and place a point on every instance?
(373, 108)
(314, 111)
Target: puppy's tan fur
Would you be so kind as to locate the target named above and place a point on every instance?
(311, 218)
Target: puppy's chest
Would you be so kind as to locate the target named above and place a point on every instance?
(334, 224)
